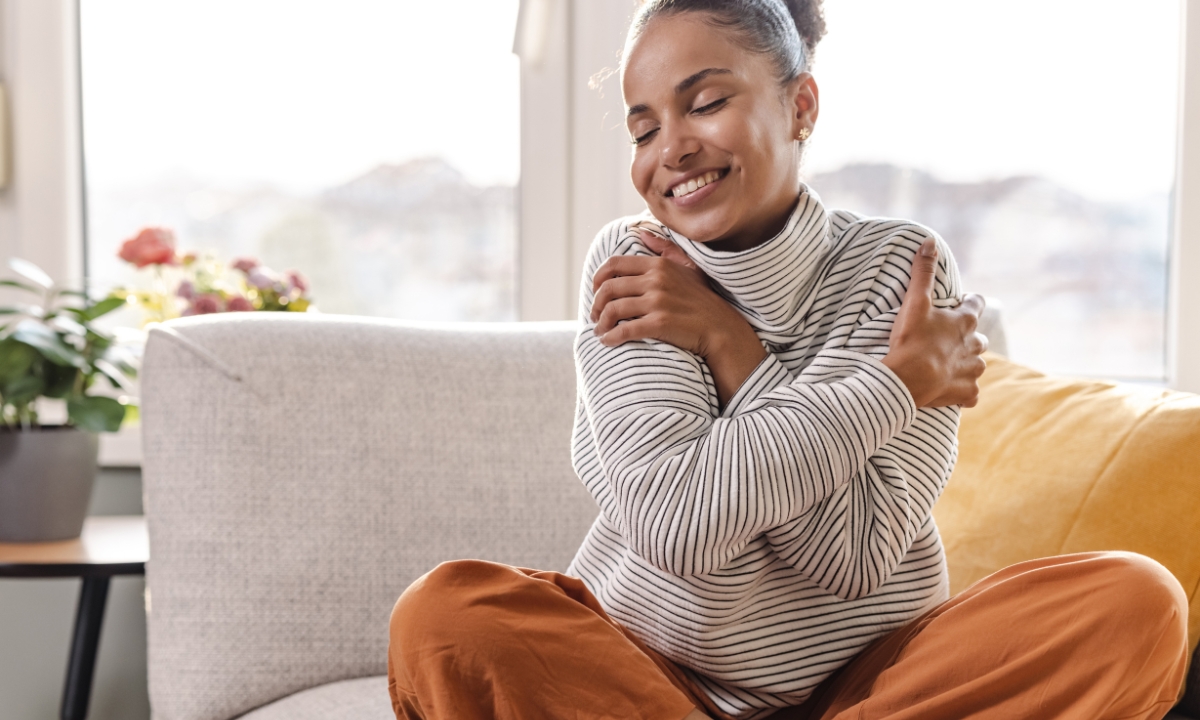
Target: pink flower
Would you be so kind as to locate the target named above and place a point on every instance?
(186, 290)
(296, 280)
(261, 278)
(245, 264)
(151, 246)
(204, 305)
(237, 303)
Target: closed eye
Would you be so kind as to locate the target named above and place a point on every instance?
(644, 137)
(711, 107)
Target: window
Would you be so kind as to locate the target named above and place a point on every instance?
(373, 145)
(1038, 138)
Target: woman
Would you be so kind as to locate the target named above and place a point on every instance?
(765, 427)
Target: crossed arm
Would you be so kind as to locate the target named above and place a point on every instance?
(835, 467)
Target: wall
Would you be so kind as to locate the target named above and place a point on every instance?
(36, 617)
(40, 210)
(574, 147)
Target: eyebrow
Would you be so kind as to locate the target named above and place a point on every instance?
(683, 86)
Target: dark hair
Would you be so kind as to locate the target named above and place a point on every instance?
(786, 30)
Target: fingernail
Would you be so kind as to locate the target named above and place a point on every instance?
(929, 248)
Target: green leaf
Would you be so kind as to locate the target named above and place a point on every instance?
(32, 272)
(16, 358)
(104, 307)
(124, 359)
(59, 381)
(23, 390)
(113, 373)
(22, 309)
(68, 326)
(49, 344)
(18, 284)
(95, 413)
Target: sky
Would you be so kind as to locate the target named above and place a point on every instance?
(1081, 91)
(306, 94)
(298, 93)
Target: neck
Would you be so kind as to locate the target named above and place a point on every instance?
(771, 224)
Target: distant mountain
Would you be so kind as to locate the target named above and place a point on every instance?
(986, 220)
(1083, 282)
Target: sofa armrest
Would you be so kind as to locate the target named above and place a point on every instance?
(301, 471)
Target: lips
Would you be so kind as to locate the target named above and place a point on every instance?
(687, 187)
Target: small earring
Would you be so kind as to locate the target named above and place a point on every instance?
(803, 134)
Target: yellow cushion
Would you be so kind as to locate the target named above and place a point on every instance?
(1052, 465)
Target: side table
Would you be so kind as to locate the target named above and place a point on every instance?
(109, 545)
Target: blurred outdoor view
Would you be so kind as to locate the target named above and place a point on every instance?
(1038, 138)
(370, 144)
(373, 145)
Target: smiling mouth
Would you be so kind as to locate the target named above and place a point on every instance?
(684, 189)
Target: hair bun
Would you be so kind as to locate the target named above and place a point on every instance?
(809, 17)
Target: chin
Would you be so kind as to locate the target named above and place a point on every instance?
(701, 228)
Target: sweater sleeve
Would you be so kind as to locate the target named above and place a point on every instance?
(692, 488)
(852, 541)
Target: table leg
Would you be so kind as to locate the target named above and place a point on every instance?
(89, 616)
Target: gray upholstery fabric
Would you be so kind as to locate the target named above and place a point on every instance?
(301, 470)
(362, 699)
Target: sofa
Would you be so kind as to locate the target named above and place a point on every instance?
(301, 471)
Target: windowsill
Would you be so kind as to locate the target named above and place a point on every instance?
(122, 449)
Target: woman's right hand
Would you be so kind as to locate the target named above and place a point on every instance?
(934, 351)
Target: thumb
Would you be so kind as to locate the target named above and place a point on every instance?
(924, 270)
(665, 248)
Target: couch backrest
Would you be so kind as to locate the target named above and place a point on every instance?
(301, 471)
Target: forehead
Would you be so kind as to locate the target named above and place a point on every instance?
(673, 47)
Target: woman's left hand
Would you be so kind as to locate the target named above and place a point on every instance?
(668, 298)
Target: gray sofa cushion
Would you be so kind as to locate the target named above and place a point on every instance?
(361, 699)
(301, 471)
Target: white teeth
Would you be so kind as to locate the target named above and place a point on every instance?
(695, 184)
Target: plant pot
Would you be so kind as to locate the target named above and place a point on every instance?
(46, 480)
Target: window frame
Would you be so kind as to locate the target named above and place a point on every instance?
(556, 103)
(574, 173)
(1183, 258)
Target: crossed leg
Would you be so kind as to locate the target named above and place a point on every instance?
(1092, 636)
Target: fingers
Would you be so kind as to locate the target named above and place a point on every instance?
(974, 304)
(621, 266)
(642, 328)
(620, 309)
(665, 248)
(964, 390)
(614, 288)
(977, 343)
(653, 242)
(924, 270)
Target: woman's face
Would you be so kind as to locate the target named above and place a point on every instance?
(709, 117)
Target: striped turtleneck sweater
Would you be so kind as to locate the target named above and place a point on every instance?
(762, 545)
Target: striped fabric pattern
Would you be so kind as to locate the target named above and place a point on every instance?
(762, 545)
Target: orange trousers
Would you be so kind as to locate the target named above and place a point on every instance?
(1093, 636)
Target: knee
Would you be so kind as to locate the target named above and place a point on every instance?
(436, 607)
(1143, 597)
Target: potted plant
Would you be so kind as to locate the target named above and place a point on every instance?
(52, 348)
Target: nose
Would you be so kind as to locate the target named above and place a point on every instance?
(678, 144)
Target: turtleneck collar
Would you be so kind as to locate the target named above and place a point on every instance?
(768, 282)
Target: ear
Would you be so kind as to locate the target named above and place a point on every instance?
(804, 102)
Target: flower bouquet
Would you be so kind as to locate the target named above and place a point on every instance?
(198, 283)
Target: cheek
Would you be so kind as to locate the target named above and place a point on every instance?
(641, 171)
